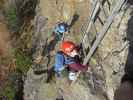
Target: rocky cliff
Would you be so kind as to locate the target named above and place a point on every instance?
(30, 25)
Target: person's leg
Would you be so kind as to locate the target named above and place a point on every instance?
(78, 67)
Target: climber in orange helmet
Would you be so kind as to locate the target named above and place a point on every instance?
(68, 57)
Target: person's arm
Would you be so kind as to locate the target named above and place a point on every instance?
(59, 62)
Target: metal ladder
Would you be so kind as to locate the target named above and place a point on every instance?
(98, 7)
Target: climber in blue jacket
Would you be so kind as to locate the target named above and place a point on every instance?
(60, 29)
(56, 36)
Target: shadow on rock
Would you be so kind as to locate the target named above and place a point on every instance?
(130, 2)
(129, 62)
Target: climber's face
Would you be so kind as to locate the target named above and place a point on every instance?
(73, 53)
(125, 92)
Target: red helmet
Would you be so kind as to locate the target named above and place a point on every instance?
(67, 46)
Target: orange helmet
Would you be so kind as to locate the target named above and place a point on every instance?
(67, 46)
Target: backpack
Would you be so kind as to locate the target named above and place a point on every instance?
(61, 60)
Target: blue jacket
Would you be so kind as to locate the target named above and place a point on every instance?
(61, 60)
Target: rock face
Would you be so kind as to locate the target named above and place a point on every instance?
(113, 52)
(108, 64)
(4, 40)
(35, 87)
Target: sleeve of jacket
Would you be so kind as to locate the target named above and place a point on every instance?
(59, 62)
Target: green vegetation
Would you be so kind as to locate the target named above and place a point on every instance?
(11, 16)
(23, 62)
(9, 91)
(65, 73)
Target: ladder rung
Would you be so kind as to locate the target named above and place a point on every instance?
(102, 8)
